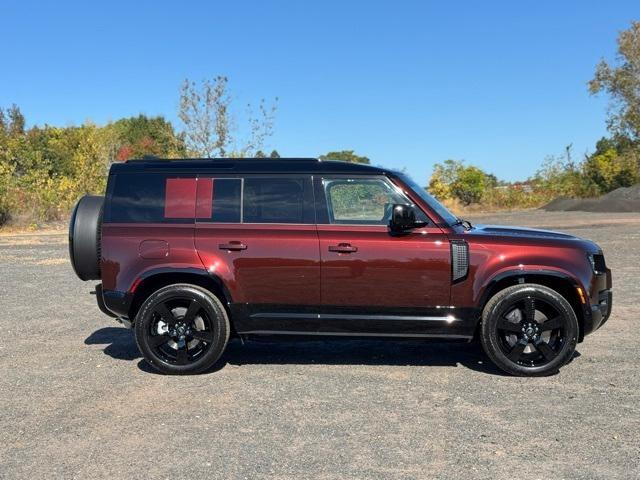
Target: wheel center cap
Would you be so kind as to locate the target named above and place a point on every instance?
(529, 331)
(180, 330)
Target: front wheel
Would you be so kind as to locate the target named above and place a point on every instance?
(182, 329)
(529, 330)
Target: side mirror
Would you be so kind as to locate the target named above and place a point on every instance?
(403, 219)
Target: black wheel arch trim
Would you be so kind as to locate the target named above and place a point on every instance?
(122, 303)
(585, 316)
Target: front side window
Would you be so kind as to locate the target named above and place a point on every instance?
(276, 200)
(366, 201)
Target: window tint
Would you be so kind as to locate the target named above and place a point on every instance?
(275, 200)
(151, 197)
(219, 199)
(361, 201)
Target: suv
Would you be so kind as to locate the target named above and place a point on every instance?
(191, 252)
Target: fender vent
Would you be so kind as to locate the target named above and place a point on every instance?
(459, 260)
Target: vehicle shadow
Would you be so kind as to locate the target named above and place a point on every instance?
(120, 344)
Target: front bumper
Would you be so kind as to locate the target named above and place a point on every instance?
(598, 311)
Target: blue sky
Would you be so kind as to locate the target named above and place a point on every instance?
(498, 84)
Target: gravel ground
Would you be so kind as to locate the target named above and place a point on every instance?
(77, 401)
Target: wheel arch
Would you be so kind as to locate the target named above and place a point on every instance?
(156, 279)
(560, 282)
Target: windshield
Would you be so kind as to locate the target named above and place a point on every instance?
(435, 205)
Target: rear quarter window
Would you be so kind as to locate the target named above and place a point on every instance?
(151, 198)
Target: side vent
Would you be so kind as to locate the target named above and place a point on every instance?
(459, 260)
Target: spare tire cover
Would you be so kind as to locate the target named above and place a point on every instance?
(85, 237)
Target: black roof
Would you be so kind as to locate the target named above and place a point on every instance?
(245, 165)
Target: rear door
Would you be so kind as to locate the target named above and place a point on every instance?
(374, 282)
(257, 234)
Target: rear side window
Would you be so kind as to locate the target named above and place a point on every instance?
(166, 198)
(219, 200)
(277, 200)
(151, 198)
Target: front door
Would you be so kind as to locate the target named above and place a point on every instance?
(373, 282)
(258, 235)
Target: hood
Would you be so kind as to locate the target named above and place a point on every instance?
(523, 232)
(532, 235)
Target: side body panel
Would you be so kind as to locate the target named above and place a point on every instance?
(279, 271)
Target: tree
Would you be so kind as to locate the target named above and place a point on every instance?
(345, 156)
(454, 179)
(141, 136)
(622, 84)
(609, 170)
(205, 110)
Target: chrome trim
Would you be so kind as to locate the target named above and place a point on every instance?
(353, 334)
(339, 316)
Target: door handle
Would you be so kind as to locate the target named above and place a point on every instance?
(343, 248)
(233, 245)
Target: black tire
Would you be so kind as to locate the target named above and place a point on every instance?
(200, 343)
(529, 330)
(85, 228)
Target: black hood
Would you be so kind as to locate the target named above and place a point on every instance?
(501, 231)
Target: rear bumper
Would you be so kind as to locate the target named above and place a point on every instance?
(113, 303)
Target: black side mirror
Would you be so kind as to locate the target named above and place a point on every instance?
(403, 218)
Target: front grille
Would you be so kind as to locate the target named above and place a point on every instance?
(598, 263)
(459, 260)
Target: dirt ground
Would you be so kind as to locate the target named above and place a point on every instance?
(77, 401)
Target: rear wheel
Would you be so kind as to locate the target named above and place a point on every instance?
(529, 330)
(182, 329)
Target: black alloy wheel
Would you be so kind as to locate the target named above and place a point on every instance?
(182, 329)
(529, 330)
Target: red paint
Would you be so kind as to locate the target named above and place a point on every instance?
(411, 270)
(204, 200)
(180, 198)
(281, 264)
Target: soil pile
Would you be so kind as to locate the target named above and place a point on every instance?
(624, 199)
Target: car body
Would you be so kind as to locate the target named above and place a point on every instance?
(302, 247)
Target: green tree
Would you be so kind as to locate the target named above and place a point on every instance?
(454, 179)
(611, 169)
(622, 83)
(470, 185)
(345, 156)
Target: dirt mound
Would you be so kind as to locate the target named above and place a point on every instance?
(624, 199)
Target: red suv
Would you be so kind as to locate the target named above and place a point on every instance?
(190, 252)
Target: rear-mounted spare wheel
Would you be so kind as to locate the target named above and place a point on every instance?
(85, 237)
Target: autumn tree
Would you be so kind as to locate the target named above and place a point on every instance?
(206, 112)
(142, 136)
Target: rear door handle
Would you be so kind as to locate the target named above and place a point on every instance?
(233, 245)
(343, 248)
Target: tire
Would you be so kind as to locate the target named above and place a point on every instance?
(182, 329)
(529, 330)
(85, 228)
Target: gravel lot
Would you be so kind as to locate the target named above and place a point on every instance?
(77, 401)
